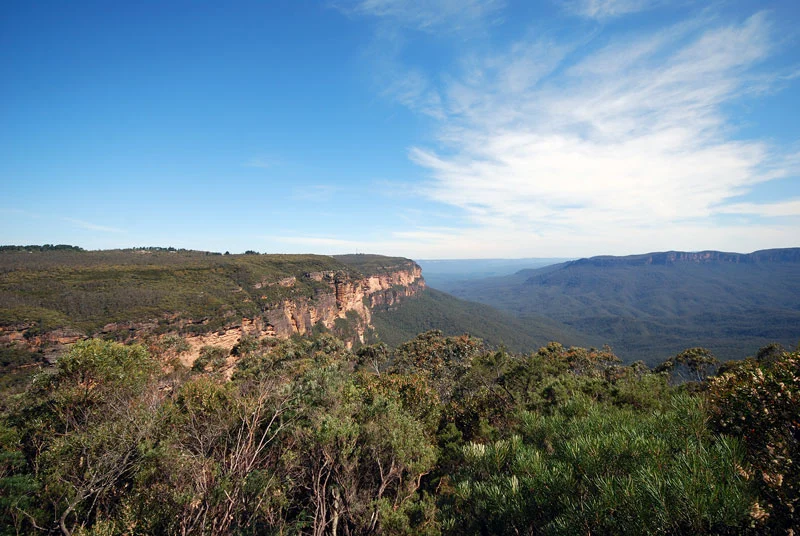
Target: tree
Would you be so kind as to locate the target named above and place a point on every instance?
(374, 357)
(699, 362)
(442, 359)
(220, 468)
(758, 402)
(361, 455)
(82, 426)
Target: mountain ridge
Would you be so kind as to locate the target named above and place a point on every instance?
(652, 305)
(705, 256)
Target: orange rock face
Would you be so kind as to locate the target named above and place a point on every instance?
(279, 320)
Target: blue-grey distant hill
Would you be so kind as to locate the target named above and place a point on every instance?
(444, 274)
(653, 305)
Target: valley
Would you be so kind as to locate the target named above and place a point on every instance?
(648, 307)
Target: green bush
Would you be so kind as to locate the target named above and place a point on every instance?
(437, 436)
(211, 358)
(603, 470)
(758, 402)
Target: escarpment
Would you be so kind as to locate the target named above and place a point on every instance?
(345, 294)
(209, 300)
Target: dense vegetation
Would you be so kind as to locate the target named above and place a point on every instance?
(439, 436)
(433, 309)
(651, 306)
(85, 290)
(374, 264)
(43, 247)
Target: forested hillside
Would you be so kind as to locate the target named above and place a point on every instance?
(651, 306)
(85, 290)
(440, 436)
(433, 309)
(54, 296)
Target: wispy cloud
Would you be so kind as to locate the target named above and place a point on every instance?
(414, 90)
(631, 139)
(764, 210)
(261, 162)
(92, 226)
(427, 15)
(605, 9)
(412, 86)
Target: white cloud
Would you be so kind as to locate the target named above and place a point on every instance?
(428, 15)
(413, 90)
(790, 208)
(605, 9)
(629, 142)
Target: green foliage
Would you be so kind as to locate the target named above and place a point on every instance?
(373, 357)
(442, 360)
(87, 290)
(17, 365)
(602, 470)
(361, 452)
(247, 345)
(348, 328)
(432, 309)
(697, 361)
(211, 358)
(440, 435)
(758, 402)
(173, 343)
(78, 430)
(19, 488)
(375, 264)
(413, 392)
(93, 363)
(45, 247)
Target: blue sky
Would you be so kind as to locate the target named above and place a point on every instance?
(428, 128)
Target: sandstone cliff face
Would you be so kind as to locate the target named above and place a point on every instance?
(50, 343)
(787, 255)
(358, 296)
(299, 316)
(341, 296)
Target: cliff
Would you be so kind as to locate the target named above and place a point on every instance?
(650, 307)
(346, 294)
(785, 255)
(208, 299)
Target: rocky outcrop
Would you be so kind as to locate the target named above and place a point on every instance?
(338, 295)
(344, 297)
(50, 343)
(347, 295)
(785, 255)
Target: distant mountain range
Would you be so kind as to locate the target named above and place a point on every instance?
(653, 305)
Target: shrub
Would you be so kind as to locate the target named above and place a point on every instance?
(211, 357)
(758, 402)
